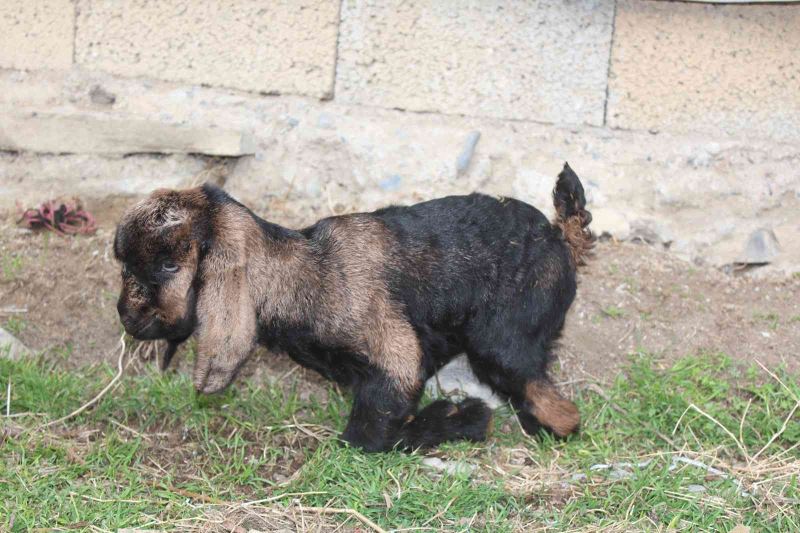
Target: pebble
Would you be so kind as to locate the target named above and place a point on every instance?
(465, 157)
(451, 467)
(762, 247)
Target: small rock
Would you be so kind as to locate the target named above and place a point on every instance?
(325, 121)
(622, 470)
(11, 347)
(100, 96)
(762, 247)
(392, 183)
(465, 157)
(695, 488)
(619, 473)
(451, 467)
(650, 232)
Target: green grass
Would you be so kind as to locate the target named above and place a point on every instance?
(772, 320)
(613, 312)
(15, 325)
(11, 266)
(148, 450)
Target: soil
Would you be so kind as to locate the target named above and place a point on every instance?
(60, 292)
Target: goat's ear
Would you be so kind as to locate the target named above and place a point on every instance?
(226, 331)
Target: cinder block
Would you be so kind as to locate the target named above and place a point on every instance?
(534, 60)
(700, 68)
(282, 46)
(36, 34)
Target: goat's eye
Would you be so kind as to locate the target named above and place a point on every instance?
(169, 267)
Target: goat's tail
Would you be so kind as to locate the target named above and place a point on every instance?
(572, 216)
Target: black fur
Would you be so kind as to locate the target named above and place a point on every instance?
(486, 276)
(444, 421)
(468, 271)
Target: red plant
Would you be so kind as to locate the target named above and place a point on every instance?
(66, 219)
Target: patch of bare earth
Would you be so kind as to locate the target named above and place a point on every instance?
(636, 297)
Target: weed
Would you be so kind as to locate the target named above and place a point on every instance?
(632, 285)
(15, 325)
(771, 319)
(12, 266)
(613, 312)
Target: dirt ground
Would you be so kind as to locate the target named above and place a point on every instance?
(61, 292)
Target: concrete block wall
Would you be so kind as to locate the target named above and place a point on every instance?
(286, 46)
(723, 70)
(683, 118)
(37, 35)
(519, 60)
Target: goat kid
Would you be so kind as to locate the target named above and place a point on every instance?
(377, 302)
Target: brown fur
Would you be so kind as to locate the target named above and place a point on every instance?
(358, 305)
(246, 272)
(172, 298)
(166, 208)
(579, 239)
(551, 408)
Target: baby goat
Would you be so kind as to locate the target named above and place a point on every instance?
(377, 302)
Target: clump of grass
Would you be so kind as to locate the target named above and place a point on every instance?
(612, 312)
(771, 319)
(15, 325)
(11, 266)
(701, 444)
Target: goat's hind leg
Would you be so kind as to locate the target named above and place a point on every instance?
(540, 404)
(443, 421)
(518, 370)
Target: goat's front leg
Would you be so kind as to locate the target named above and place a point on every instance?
(379, 413)
(385, 399)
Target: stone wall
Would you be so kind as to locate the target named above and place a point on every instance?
(683, 119)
